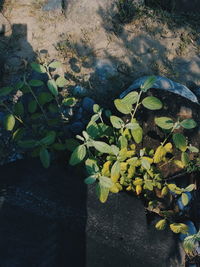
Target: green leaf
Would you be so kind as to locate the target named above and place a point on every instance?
(160, 225)
(188, 124)
(38, 67)
(6, 91)
(137, 134)
(123, 141)
(78, 155)
(180, 141)
(55, 64)
(149, 185)
(53, 108)
(92, 129)
(45, 157)
(49, 138)
(19, 109)
(105, 181)
(102, 147)
(185, 158)
(96, 108)
(90, 180)
(52, 87)
(44, 98)
(71, 144)
(91, 166)
(102, 193)
(116, 122)
(164, 123)
(130, 98)
(28, 143)
(9, 122)
(152, 103)
(95, 117)
(32, 106)
(190, 188)
(149, 82)
(61, 82)
(69, 101)
(184, 199)
(122, 107)
(115, 170)
(35, 83)
(193, 149)
(132, 126)
(115, 150)
(172, 187)
(145, 164)
(179, 228)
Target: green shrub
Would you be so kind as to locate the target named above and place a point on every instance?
(35, 112)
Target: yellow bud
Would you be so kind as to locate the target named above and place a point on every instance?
(138, 189)
(130, 153)
(160, 225)
(133, 146)
(159, 154)
(123, 166)
(106, 169)
(119, 186)
(131, 171)
(129, 188)
(114, 189)
(138, 181)
(168, 147)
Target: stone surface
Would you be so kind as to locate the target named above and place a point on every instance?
(50, 218)
(53, 5)
(164, 84)
(88, 104)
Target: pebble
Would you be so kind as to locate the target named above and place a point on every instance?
(53, 5)
(80, 91)
(77, 127)
(88, 104)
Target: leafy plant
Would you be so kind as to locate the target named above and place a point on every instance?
(115, 159)
(36, 119)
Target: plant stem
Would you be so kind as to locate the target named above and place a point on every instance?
(137, 105)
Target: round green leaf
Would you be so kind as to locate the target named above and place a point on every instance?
(130, 98)
(38, 67)
(9, 122)
(180, 141)
(52, 87)
(164, 123)
(116, 122)
(96, 108)
(6, 91)
(190, 188)
(28, 143)
(90, 180)
(61, 82)
(115, 170)
(32, 106)
(123, 107)
(185, 158)
(49, 138)
(19, 109)
(193, 149)
(35, 83)
(78, 155)
(102, 193)
(152, 103)
(188, 124)
(44, 98)
(45, 157)
(137, 134)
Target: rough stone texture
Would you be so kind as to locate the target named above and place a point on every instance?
(164, 84)
(49, 218)
(53, 5)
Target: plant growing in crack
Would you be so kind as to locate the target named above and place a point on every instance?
(116, 160)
